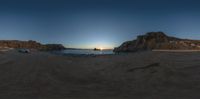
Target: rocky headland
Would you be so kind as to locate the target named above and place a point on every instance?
(158, 41)
(30, 45)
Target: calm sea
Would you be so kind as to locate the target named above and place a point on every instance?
(84, 52)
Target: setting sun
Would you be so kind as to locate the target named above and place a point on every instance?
(101, 48)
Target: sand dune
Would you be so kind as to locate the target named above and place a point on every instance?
(143, 75)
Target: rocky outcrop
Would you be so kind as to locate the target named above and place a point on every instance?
(20, 44)
(29, 45)
(50, 47)
(159, 41)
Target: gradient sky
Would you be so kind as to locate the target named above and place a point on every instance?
(96, 23)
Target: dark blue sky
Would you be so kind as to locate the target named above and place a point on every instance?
(96, 23)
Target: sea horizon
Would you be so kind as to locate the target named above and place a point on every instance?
(84, 52)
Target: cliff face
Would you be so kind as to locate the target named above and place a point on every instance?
(30, 45)
(49, 47)
(20, 44)
(158, 40)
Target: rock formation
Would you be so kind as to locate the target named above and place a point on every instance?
(158, 41)
(50, 47)
(96, 49)
(20, 44)
(29, 45)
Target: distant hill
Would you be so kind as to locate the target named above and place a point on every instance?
(158, 41)
(30, 45)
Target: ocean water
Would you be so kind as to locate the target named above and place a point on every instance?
(84, 52)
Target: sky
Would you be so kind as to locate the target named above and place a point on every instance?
(96, 23)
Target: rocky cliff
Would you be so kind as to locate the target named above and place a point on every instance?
(49, 47)
(30, 45)
(159, 41)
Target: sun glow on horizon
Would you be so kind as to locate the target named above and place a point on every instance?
(99, 46)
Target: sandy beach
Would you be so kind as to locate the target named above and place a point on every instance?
(99, 49)
(142, 75)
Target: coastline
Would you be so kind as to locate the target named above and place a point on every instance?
(157, 50)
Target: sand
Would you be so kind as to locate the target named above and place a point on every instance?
(142, 75)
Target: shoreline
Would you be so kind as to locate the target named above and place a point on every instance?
(176, 50)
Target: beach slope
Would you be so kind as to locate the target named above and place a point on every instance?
(142, 75)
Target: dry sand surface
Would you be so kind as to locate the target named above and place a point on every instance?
(143, 75)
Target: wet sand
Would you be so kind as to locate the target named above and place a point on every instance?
(142, 75)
